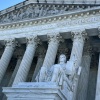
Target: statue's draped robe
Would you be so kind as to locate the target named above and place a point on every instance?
(64, 71)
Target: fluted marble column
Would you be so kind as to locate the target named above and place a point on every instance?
(84, 76)
(6, 57)
(52, 50)
(38, 65)
(77, 48)
(76, 53)
(97, 96)
(50, 54)
(15, 71)
(26, 61)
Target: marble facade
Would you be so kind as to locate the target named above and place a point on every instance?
(33, 34)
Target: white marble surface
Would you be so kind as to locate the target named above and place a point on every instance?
(97, 97)
(6, 57)
(79, 22)
(34, 91)
(50, 56)
(84, 78)
(92, 84)
(25, 65)
(62, 23)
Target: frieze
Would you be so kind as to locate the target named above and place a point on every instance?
(34, 11)
(79, 21)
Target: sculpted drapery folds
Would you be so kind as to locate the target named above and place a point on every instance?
(61, 72)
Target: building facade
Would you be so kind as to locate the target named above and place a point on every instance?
(33, 34)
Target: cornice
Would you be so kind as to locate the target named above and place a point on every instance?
(67, 16)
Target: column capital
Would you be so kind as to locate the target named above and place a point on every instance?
(55, 37)
(32, 40)
(79, 34)
(10, 42)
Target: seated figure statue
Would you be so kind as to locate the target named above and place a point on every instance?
(58, 73)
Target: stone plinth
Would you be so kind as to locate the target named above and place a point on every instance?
(34, 91)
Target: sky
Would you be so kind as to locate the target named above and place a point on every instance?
(8, 3)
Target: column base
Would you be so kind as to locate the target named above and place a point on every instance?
(34, 91)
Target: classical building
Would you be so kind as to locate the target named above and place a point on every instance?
(33, 34)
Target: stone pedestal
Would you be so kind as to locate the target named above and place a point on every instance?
(34, 91)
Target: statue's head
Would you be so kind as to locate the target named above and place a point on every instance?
(62, 58)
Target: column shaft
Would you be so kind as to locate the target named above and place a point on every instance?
(50, 56)
(51, 52)
(26, 61)
(76, 56)
(15, 71)
(84, 77)
(97, 96)
(77, 50)
(38, 66)
(6, 57)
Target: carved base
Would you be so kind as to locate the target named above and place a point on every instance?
(34, 91)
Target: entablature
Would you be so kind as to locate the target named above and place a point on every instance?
(62, 23)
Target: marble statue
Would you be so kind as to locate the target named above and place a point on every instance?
(58, 73)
